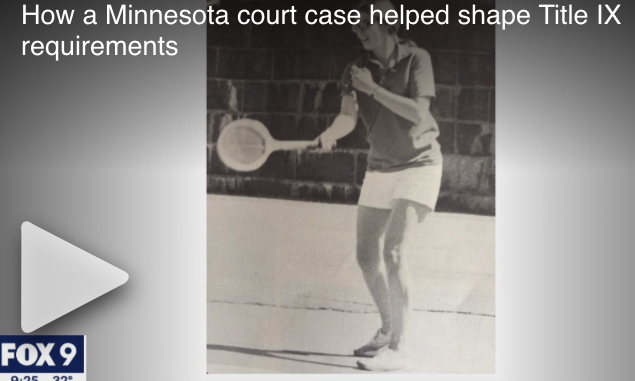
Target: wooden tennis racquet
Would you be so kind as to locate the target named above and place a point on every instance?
(245, 144)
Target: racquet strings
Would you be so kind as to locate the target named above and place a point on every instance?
(243, 144)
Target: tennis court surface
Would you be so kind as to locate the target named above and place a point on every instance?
(285, 294)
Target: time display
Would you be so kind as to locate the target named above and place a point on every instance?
(43, 377)
(38, 378)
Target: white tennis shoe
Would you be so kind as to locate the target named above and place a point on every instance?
(375, 346)
(386, 361)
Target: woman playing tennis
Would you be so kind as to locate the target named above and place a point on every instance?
(390, 88)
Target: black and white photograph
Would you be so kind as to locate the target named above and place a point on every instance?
(351, 189)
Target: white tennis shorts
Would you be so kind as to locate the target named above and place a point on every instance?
(418, 184)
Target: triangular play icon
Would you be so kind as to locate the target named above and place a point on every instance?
(58, 277)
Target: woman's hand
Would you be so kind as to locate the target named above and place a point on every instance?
(323, 143)
(362, 80)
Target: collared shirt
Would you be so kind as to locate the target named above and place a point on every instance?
(395, 142)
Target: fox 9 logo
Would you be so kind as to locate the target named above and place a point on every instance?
(42, 354)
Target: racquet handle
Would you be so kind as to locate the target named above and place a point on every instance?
(294, 145)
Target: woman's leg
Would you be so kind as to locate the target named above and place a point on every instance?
(371, 225)
(404, 226)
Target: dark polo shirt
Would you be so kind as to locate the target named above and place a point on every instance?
(395, 142)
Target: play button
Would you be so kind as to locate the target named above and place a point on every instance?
(58, 277)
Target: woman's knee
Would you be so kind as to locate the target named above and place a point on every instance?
(395, 255)
(371, 223)
(368, 257)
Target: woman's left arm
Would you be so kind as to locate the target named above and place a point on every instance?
(414, 110)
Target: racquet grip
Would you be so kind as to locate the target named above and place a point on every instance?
(294, 145)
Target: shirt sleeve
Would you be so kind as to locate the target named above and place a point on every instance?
(421, 76)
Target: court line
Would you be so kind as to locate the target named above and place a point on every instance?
(343, 310)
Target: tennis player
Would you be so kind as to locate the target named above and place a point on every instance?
(390, 88)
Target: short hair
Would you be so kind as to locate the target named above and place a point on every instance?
(364, 6)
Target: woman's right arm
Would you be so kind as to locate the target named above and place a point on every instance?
(343, 124)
